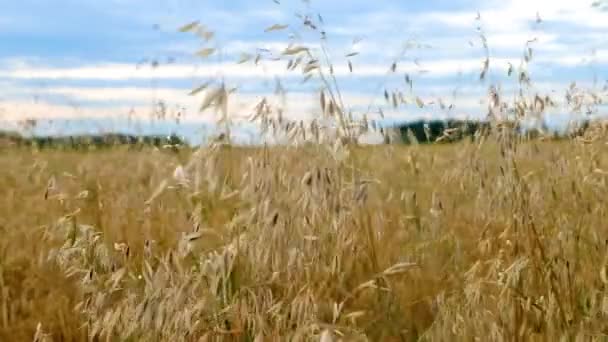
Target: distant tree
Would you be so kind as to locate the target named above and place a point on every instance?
(80, 142)
(441, 130)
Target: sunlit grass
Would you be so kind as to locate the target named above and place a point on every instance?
(440, 242)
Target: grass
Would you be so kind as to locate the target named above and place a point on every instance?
(451, 242)
(498, 239)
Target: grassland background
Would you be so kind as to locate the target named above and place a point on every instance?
(452, 242)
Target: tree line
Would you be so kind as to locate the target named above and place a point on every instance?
(8, 138)
(452, 130)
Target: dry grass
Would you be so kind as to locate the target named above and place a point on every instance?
(496, 240)
(450, 242)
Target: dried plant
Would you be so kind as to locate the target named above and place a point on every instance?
(497, 238)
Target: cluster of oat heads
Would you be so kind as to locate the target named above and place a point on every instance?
(483, 241)
(280, 266)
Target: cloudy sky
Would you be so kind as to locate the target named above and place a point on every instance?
(88, 63)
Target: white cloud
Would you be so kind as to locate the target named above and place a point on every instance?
(601, 56)
(517, 40)
(236, 46)
(137, 102)
(22, 110)
(130, 72)
(132, 101)
(462, 19)
(94, 102)
(517, 14)
(121, 94)
(508, 25)
(267, 69)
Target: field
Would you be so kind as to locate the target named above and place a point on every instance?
(463, 241)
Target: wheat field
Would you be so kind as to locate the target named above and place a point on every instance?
(468, 241)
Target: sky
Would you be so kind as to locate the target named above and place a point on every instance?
(104, 65)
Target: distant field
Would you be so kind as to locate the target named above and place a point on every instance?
(450, 242)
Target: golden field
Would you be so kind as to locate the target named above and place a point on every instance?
(465, 241)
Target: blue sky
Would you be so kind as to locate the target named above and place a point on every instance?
(81, 63)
